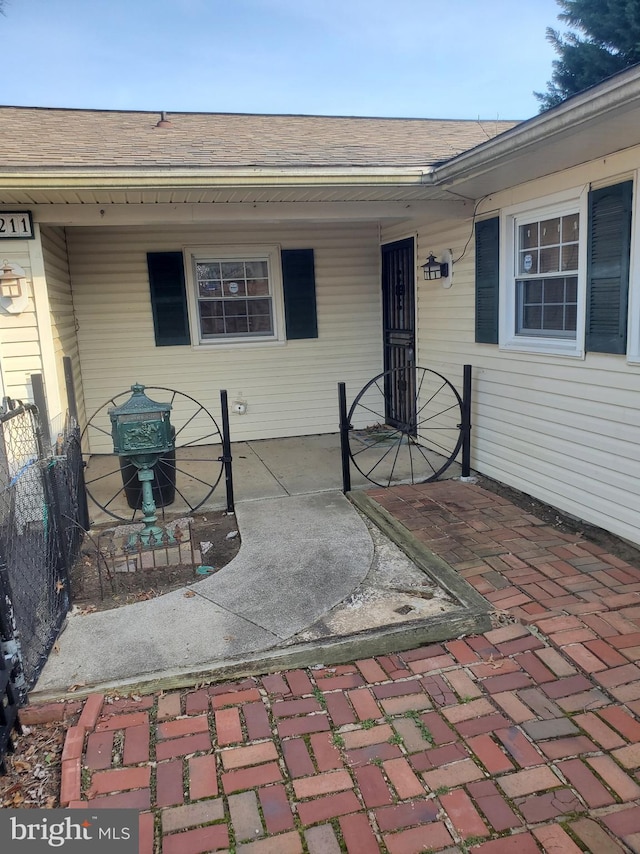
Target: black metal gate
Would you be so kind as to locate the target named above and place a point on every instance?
(419, 450)
(398, 317)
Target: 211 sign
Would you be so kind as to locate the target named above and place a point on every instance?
(15, 225)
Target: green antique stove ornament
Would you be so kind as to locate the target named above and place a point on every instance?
(142, 433)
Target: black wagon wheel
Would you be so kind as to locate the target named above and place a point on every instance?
(405, 426)
(184, 479)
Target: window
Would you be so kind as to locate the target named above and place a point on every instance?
(547, 283)
(236, 294)
(545, 264)
(234, 298)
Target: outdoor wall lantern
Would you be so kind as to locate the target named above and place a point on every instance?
(13, 288)
(434, 269)
(141, 432)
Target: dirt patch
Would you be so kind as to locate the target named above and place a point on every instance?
(33, 770)
(101, 578)
(563, 521)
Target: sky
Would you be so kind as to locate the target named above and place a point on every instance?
(451, 59)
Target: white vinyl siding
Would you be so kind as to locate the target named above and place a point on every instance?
(56, 265)
(565, 431)
(290, 390)
(19, 338)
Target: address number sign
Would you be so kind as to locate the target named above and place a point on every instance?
(15, 225)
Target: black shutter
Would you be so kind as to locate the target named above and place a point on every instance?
(608, 268)
(487, 280)
(168, 298)
(299, 285)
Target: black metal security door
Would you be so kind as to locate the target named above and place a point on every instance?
(398, 317)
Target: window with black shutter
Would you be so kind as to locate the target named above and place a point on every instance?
(239, 294)
(567, 272)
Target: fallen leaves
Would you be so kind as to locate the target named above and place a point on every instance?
(87, 609)
(33, 770)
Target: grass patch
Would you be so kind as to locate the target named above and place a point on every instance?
(423, 729)
(317, 693)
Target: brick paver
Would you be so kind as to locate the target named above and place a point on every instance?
(526, 738)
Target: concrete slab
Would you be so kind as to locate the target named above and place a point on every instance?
(314, 547)
(268, 468)
(395, 592)
(302, 464)
(300, 556)
(167, 633)
(252, 479)
(306, 464)
(305, 550)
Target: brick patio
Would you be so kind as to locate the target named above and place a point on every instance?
(528, 734)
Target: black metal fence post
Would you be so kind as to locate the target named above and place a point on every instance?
(72, 409)
(466, 421)
(227, 459)
(72, 403)
(40, 400)
(55, 528)
(344, 437)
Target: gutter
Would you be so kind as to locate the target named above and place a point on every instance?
(219, 177)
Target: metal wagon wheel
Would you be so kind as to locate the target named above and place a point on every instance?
(195, 468)
(418, 442)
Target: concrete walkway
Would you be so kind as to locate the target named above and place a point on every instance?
(299, 535)
(523, 738)
(313, 548)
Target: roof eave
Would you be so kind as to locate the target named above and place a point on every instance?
(171, 178)
(556, 129)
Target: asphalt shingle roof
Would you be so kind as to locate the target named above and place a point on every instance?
(40, 138)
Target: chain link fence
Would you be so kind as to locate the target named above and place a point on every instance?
(42, 517)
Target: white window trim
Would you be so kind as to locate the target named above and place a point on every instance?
(246, 252)
(633, 328)
(557, 204)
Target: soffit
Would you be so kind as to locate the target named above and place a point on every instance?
(220, 195)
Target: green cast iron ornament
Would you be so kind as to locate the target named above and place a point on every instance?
(141, 432)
